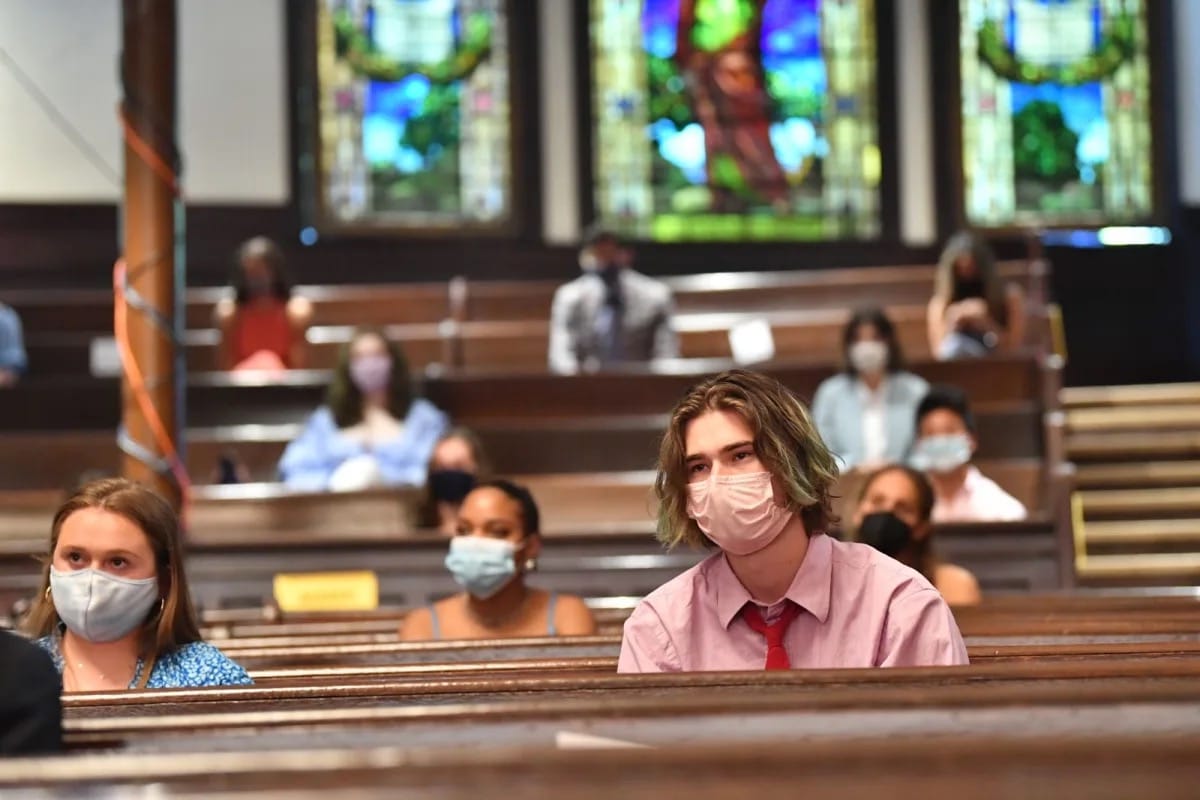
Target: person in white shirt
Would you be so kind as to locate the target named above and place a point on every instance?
(865, 413)
(609, 315)
(945, 445)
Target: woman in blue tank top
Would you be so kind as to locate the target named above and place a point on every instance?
(497, 541)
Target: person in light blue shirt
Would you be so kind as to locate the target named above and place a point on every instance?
(12, 347)
(371, 431)
(865, 413)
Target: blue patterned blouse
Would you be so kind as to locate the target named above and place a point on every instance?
(195, 664)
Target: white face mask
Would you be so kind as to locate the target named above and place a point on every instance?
(100, 607)
(942, 453)
(869, 357)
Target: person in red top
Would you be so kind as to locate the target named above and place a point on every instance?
(263, 324)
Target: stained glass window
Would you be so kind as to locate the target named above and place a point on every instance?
(735, 119)
(413, 112)
(1056, 119)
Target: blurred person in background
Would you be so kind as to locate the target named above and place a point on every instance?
(894, 515)
(610, 314)
(372, 431)
(13, 360)
(263, 324)
(945, 445)
(455, 467)
(973, 312)
(865, 413)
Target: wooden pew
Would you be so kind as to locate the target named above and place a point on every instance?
(521, 344)
(1010, 435)
(233, 565)
(988, 767)
(534, 685)
(84, 403)
(53, 311)
(1034, 699)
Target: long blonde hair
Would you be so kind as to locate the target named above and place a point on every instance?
(167, 628)
(968, 243)
(785, 440)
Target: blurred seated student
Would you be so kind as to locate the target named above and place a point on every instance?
(497, 542)
(372, 430)
(263, 325)
(894, 516)
(972, 312)
(610, 314)
(13, 360)
(30, 705)
(865, 413)
(945, 445)
(743, 471)
(454, 468)
(113, 610)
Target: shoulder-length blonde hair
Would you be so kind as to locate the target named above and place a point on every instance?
(169, 626)
(785, 441)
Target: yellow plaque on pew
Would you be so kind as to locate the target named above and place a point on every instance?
(327, 591)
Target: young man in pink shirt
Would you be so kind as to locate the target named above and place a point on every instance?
(743, 470)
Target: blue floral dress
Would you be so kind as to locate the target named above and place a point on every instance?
(193, 665)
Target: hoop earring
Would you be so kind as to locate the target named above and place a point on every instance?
(47, 592)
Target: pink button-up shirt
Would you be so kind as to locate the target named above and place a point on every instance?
(979, 500)
(859, 608)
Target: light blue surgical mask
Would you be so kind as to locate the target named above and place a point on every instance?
(101, 607)
(480, 565)
(942, 453)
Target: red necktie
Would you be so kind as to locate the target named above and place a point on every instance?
(777, 657)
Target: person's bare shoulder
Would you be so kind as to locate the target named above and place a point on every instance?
(224, 312)
(417, 626)
(299, 311)
(572, 617)
(957, 585)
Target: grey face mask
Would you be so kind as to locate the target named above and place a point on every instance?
(101, 607)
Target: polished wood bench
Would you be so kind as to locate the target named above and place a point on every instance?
(1032, 699)
(232, 564)
(275, 653)
(987, 766)
(810, 335)
(53, 311)
(1010, 434)
(529, 686)
(84, 403)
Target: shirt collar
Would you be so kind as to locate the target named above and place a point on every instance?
(866, 394)
(973, 480)
(810, 587)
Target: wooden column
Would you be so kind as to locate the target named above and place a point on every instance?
(148, 229)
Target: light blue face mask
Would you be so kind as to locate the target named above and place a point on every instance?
(100, 607)
(942, 453)
(480, 565)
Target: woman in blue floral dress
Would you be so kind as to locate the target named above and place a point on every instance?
(114, 610)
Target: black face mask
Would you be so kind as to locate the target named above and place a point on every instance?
(450, 485)
(886, 532)
(965, 288)
(611, 275)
